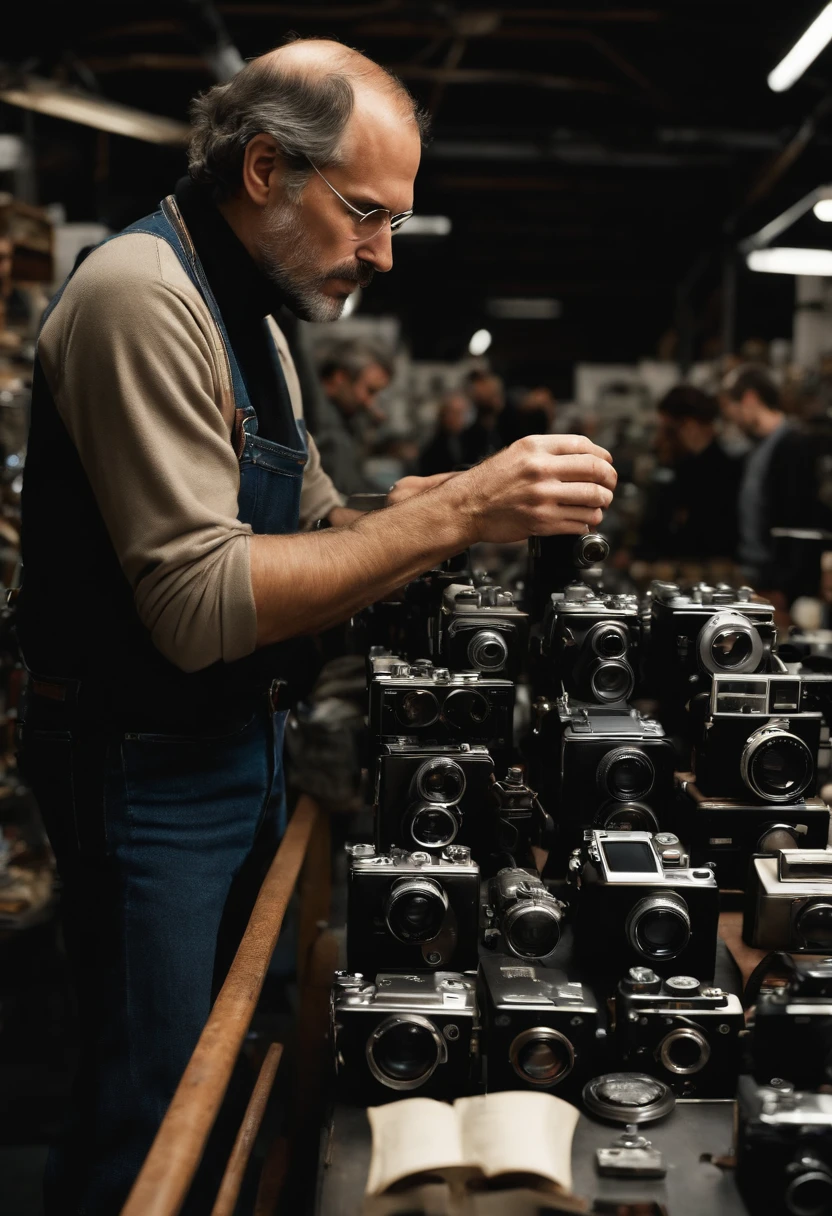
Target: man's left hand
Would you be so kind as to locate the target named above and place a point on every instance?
(409, 486)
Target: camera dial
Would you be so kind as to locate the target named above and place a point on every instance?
(542, 1056)
(658, 926)
(405, 1050)
(431, 825)
(487, 650)
(809, 1189)
(728, 642)
(776, 765)
(440, 779)
(416, 909)
(626, 774)
(684, 1051)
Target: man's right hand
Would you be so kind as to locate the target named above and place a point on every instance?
(542, 485)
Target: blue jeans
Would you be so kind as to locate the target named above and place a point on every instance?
(161, 843)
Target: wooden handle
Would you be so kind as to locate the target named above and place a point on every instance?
(232, 1179)
(169, 1168)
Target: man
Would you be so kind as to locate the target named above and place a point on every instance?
(485, 435)
(779, 487)
(156, 599)
(352, 376)
(443, 451)
(694, 507)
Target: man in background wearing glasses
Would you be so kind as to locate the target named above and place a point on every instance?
(169, 487)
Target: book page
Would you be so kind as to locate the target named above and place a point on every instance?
(519, 1132)
(413, 1138)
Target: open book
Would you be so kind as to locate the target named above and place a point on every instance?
(513, 1139)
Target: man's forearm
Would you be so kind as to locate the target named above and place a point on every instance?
(307, 582)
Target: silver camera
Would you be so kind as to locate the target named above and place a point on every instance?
(522, 917)
(789, 902)
(784, 1149)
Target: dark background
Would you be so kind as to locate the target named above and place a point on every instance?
(602, 155)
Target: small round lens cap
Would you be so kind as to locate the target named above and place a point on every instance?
(628, 1097)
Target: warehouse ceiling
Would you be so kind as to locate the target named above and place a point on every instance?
(603, 156)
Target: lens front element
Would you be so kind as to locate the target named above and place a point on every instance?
(416, 909)
(542, 1056)
(404, 1051)
(658, 926)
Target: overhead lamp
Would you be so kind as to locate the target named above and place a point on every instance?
(480, 342)
(783, 260)
(426, 225)
(804, 52)
(823, 210)
(33, 93)
(519, 308)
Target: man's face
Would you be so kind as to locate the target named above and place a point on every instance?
(488, 395)
(748, 413)
(366, 388)
(453, 416)
(667, 443)
(313, 248)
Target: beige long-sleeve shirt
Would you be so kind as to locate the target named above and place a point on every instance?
(140, 377)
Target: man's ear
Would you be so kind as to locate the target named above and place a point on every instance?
(261, 160)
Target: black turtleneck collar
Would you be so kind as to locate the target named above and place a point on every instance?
(239, 285)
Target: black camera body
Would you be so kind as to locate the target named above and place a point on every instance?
(412, 911)
(729, 831)
(758, 739)
(421, 702)
(629, 910)
(430, 797)
(788, 902)
(686, 1033)
(791, 1034)
(704, 630)
(539, 1029)
(404, 1035)
(783, 1149)
(522, 917)
(481, 629)
(616, 771)
(590, 644)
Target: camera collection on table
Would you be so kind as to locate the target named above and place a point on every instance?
(596, 977)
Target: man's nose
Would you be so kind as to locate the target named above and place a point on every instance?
(378, 251)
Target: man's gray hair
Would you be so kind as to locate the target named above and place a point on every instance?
(353, 357)
(305, 115)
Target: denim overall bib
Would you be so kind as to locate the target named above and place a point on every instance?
(161, 841)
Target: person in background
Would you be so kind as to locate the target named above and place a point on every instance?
(485, 435)
(693, 513)
(443, 452)
(352, 376)
(779, 487)
(532, 413)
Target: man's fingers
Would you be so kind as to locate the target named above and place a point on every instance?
(578, 493)
(584, 468)
(569, 445)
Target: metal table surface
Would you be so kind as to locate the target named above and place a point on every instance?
(691, 1188)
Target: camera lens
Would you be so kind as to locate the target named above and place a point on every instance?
(611, 680)
(628, 817)
(626, 774)
(730, 648)
(814, 924)
(403, 1052)
(591, 549)
(684, 1051)
(440, 779)
(542, 1056)
(433, 826)
(776, 765)
(809, 1193)
(658, 926)
(729, 642)
(487, 650)
(610, 641)
(416, 909)
(532, 931)
(466, 709)
(417, 708)
(776, 836)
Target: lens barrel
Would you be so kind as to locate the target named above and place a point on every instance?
(416, 909)
(404, 1051)
(658, 926)
(542, 1056)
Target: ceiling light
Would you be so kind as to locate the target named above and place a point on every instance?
(426, 225)
(524, 309)
(823, 210)
(782, 260)
(45, 97)
(804, 52)
(480, 342)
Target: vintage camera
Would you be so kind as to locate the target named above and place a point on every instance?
(792, 1026)
(520, 820)
(540, 1030)
(522, 917)
(630, 910)
(705, 631)
(590, 644)
(616, 771)
(759, 735)
(784, 1149)
(430, 797)
(729, 831)
(400, 1034)
(422, 702)
(407, 911)
(686, 1033)
(788, 902)
(481, 629)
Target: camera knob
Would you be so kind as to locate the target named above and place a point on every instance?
(641, 979)
(514, 776)
(683, 985)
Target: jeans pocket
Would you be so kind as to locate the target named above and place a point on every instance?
(195, 739)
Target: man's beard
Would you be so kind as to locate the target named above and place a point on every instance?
(288, 257)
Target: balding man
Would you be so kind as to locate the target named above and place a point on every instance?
(168, 485)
